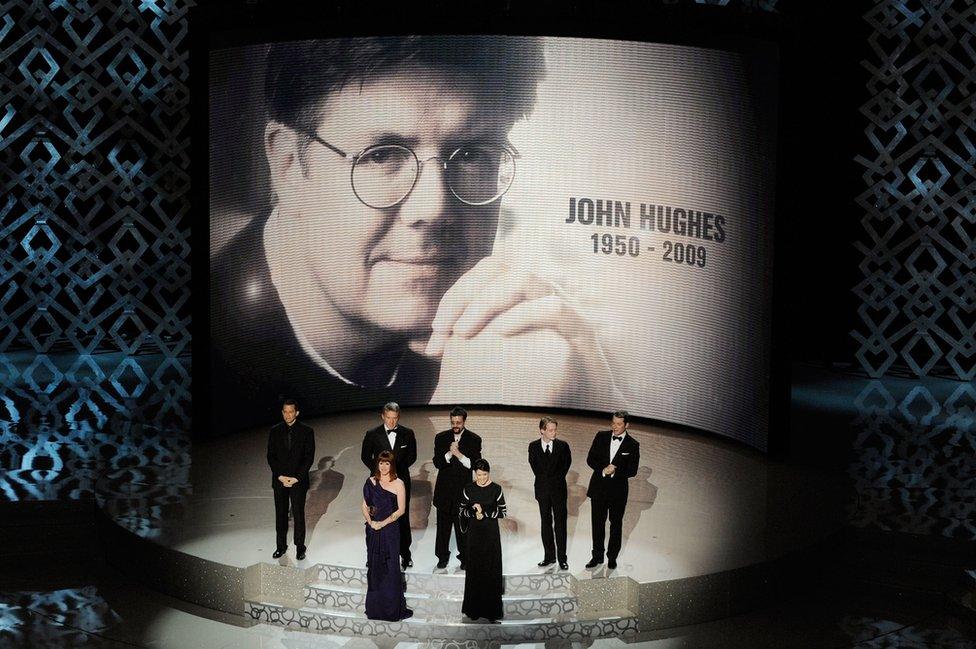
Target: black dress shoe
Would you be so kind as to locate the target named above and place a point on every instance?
(442, 564)
(594, 563)
(279, 553)
(564, 565)
(612, 564)
(300, 555)
(407, 563)
(546, 562)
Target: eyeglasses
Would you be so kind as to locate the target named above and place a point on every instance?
(383, 175)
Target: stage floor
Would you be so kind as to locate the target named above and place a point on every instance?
(698, 505)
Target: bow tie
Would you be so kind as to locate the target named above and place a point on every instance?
(617, 439)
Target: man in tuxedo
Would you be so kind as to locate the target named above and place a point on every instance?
(291, 449)
(550, 460)
(400, 440)
(614, 456)
(454, 452)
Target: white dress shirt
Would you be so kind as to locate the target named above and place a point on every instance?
(615, 446)
(391, 435)
(464, 459)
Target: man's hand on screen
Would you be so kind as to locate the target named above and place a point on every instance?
(516, 333)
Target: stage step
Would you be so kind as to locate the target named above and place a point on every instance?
(442, 604)
(443, 582)
(323, 620)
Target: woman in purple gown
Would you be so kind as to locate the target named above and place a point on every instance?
(384, 497)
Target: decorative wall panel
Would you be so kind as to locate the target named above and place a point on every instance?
(918, 292)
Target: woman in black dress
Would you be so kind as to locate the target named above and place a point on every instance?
(482, 504)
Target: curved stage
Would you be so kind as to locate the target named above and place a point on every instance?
(707, 526)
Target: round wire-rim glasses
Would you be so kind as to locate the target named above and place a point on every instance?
(391, 164)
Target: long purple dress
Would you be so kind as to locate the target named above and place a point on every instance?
(384, 581)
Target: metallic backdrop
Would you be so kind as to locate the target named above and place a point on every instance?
(914, 447)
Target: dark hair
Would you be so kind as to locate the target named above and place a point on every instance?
(300, 75)
(458, 411)
(622, 414)
(391, 406)
(385, 456)
(545, 421)
(481, 464)
(289, 402)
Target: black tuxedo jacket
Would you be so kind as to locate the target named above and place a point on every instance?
(453, 476)
(550, 475)
(295, 462)
(256, 360)
(405, 454)
(626, 461)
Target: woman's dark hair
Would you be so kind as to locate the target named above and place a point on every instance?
(385, 456)
(481, 465)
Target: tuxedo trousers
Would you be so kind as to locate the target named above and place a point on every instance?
(552, 511)
(283, 497)
(448, 519)
(600, 510)
(406, 538)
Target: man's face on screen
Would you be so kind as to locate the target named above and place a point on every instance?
(390, 267)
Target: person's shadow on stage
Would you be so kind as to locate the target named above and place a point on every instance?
(508, 525)
(575, 497)
(641, 498)
(421, 495)
(325, 483)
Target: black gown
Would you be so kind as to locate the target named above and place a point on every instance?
(483, 581)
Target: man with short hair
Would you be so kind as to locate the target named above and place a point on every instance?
(370, 278)
(550, 459)
(399, 440)
(455, 450)
(614, 457)
(291, 451)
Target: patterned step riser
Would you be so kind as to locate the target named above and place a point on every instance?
(442, 605)
(417, 582)
(357, 626)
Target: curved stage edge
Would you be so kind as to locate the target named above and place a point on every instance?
(711, 527)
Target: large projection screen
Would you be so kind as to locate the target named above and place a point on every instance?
(546, 222)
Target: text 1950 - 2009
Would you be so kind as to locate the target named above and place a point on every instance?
(675, 252)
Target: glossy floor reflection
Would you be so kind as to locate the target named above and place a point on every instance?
(65, 420)
(907, 446)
